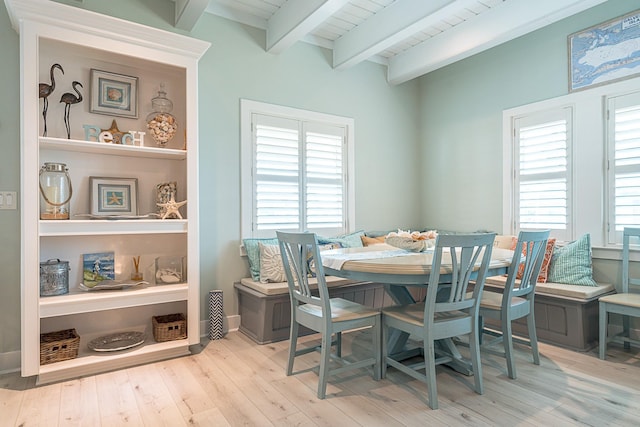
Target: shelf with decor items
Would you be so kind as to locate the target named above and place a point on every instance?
(86, 99)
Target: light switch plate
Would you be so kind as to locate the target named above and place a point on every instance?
(8, 200)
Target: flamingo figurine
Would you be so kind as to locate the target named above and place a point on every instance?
(69, 99)
(44, 90)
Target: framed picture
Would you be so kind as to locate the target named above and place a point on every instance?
(97, 267)
(604, 53)
(113, 196)
(114, 94)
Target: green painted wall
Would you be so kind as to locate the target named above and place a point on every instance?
(237, 66)
(461, 117)
(461, 122)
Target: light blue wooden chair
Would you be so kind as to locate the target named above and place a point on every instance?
(517, 299)
(457, 258)
(625, 303)
(329, 316)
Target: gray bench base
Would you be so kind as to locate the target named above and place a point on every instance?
(566, 322)
(266, 318)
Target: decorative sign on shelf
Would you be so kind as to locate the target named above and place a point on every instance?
(113, 135)
(605, 53)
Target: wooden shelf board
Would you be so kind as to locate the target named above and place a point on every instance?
(88, 362)
(48, 143)
(86, 302)
(91, 227)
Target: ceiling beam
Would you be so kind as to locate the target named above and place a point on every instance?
(295, 19)
(188, 12)
(502, 23)
(392, 25)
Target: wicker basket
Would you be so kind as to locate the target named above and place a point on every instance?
(170, 327)
(59, 346)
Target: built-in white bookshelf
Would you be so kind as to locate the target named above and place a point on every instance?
(80, 41)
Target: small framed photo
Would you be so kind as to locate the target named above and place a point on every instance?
(113, 196)
(114, 94)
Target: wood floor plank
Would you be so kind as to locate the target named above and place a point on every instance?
(155, 403)
(79, 403)
(117, 401)
(192, 400)
(40, 406)
(12, 388)
(235, 382)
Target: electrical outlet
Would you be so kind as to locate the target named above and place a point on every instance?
(8, 200)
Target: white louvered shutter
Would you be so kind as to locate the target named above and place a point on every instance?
(542, 175)
(299, 177)
(623, 176)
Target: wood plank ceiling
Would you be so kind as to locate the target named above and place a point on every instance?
(411, 37)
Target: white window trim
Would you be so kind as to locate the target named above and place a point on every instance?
(249, 107)
(589, 155)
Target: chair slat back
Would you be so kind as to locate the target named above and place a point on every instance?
(527, 259)
(298, 251)
(470, 255)
(630, 236)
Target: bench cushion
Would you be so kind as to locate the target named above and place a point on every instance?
(279, 288)
(560, 289)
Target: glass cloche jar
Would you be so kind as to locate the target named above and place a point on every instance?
(161, 123)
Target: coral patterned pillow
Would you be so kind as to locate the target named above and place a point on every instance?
(544, 268)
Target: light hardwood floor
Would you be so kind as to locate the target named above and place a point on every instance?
(235, 382)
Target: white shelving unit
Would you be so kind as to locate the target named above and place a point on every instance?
(79, 41)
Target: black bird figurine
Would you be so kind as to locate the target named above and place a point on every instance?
(68, 99)
(44, 90)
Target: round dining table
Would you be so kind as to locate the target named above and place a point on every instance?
(399, 269)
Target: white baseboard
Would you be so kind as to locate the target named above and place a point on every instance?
(10, 361)
(229, 324)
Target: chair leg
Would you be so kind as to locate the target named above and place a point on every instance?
(377, 353)
(480, 329)
(430, 373)
(474, 349)
(339, 344)
(603, 321)
(384, 350)
(325, 352)
(625, 331)
(533, 337)
(507, 341)
(293, 342)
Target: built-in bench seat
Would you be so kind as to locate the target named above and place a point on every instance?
(265, 310)
(566, 315)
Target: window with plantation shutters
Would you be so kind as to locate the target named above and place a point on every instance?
(623, 164)
(298, 164)
(542, 171)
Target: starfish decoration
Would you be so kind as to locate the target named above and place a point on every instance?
(115, 132)
(172, 207)
(115, 199)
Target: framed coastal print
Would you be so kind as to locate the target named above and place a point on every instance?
(113, 196)
(114, 94)
(605, 53)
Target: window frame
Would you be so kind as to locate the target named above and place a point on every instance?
(539, 118)
(589, 161)
(247, 198)
(612, 102)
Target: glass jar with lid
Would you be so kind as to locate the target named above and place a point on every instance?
(161, 123)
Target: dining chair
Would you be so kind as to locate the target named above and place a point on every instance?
(516, 301)
(453, 313)
(328, 316)
(625, 303)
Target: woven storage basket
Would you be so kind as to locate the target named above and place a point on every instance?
(170, 327)
(59, 346)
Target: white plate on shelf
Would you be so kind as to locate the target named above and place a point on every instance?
(116, 342)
